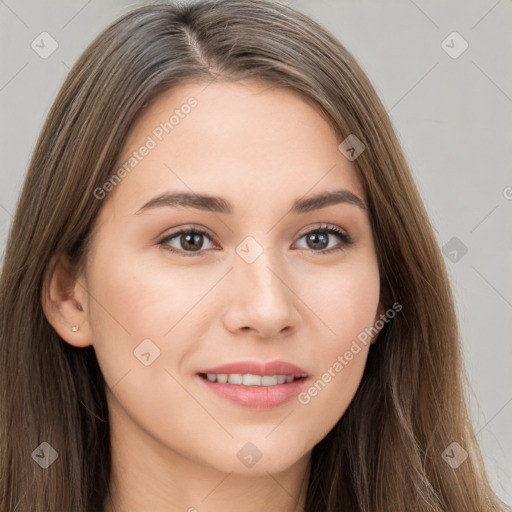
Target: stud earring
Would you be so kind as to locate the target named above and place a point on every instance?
(74, 328)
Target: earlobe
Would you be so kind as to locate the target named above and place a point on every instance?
(62, 298)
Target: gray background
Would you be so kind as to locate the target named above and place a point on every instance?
(452, 115)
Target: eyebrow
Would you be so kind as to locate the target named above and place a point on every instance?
(220, 205)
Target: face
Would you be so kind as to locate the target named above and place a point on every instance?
(179, 287)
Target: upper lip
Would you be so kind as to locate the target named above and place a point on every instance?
(257, 368)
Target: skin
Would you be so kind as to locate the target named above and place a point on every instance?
(174, 442)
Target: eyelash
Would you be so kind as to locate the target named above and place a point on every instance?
(333, 230)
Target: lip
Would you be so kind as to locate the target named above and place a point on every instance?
(257, 368)
(256, 397)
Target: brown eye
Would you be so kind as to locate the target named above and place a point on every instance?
(188, 240)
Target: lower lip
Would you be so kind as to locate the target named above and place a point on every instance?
(259, 397)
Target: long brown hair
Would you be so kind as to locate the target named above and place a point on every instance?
(386, 452)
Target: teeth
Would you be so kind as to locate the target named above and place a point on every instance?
(254, 380)
(235, 378)
(249, 379)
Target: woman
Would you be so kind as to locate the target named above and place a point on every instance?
(221, 288)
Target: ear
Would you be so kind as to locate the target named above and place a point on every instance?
(65, 302)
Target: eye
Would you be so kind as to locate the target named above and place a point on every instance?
(319, 239)
(191, 240)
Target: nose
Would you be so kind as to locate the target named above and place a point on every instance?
(260, 298)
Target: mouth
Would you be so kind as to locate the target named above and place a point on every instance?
(250, 379)
(252, 384)
(249, 373)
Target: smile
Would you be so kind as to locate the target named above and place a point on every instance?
(249, 379)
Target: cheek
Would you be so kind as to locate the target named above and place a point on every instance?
(134, 298)
(347, 302)
(347, 306)
(133, 301)
(132, 319)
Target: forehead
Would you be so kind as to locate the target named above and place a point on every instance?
(228, 136)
